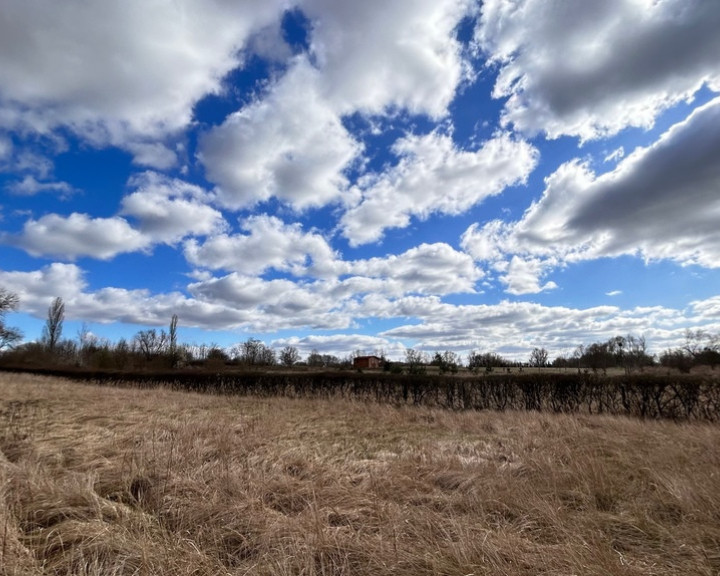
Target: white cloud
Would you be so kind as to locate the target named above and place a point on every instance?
(30, 186)
(270, 305)
(169, 209)
(341, 345)
(707, 309)
(425, 269)
(260, 306)
(154, 155)
(79, 235)
(269, 244)
(37, 287)
(290, 145)
(21, 160)
(368, 57)
(6, 150)
(433, 176)
(166, 209)
(660, 202)
(514, 328)
(272, 244)
(523, 276)
(377, 55)
(615, 155)
(593, 69)
(114, 72)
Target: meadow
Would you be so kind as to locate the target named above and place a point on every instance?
(119, 481)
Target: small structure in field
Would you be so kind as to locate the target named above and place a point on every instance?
(369, 362)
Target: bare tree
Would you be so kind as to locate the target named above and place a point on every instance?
(315, 359)
(254, 352)
(448, 361)
(151, 343)
(289, 356)
(172, 336)
(415, 361)
(8, 336)
(636, 356)
(52, 331)
(538, 357)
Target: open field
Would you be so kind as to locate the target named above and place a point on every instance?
(99, 480)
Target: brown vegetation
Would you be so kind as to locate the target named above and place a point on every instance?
(99, 480)
(646, 395)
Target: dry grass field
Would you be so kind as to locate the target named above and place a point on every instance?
(123, 481)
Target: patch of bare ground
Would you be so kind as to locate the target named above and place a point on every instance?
(120, 481)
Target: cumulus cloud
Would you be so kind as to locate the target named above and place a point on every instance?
(152, 154)
(290, 145)
(592, 70)
(514, 328)
(709, 308)
(341, 345)
(426, 269)
(660, 202)
(433, 176)
(523, 276)
(30, 186)
(79, 235)
(368, 57)
(273, 245)
(377, 55)
(270, 243)
(166, 210)
(37, 288)
(273, 304)
(115, 72)
(262, 306)
(169, 209)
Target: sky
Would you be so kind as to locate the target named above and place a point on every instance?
(363, 176)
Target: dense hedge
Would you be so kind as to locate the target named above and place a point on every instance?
(642, 395)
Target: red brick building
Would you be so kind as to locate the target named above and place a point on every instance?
(369, 362)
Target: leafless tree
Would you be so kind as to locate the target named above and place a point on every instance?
(52, 331)
(538, 357)
(289, 356)
(151, 343)
(254, 352)
(415, 361)
(8, 336)
(172, 337)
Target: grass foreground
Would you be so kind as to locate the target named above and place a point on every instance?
(116, 481)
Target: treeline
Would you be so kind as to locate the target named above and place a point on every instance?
(148, 350)
(156, 358)
(626, 352)
(701, 349)
(155, 349)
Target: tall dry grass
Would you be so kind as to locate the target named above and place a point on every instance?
(121, 481)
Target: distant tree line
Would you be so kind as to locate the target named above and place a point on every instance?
(147, 349)
(160, 349)
(626, 352)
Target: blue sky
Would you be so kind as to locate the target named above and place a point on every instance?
(340, 176)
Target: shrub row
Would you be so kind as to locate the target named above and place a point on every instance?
(640, 395)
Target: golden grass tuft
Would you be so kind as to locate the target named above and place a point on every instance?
(105, 481)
